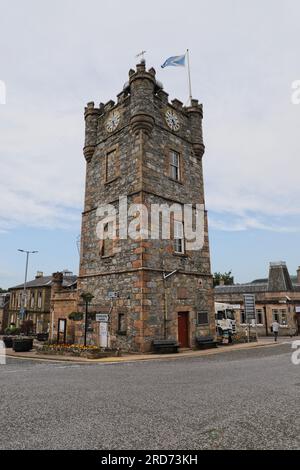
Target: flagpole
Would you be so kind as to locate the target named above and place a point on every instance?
(189, 76)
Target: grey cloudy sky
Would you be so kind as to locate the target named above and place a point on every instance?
(57, 55)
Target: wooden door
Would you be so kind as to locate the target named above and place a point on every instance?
(183, 329)
(61, 331)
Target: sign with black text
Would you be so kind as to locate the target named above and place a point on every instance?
(249, 307)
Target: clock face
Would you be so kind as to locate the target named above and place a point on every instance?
(113, 121)
(172, 120)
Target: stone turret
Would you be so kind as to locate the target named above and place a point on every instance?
(142, 85)
(196, 115)
(91, 123)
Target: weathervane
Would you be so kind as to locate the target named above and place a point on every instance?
(142, 55)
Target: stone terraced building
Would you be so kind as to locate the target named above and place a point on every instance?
(276, 297)
(150, 150)
(37, 301)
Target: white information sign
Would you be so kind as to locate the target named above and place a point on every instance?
(102, 317)
(103, 333)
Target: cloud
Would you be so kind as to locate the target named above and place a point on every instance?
(239, 224)
(42, 170)
(63, 54)
(252, 167)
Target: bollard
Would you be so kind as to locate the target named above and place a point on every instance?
(2, 353)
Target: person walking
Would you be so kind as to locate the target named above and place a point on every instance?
(275, 329)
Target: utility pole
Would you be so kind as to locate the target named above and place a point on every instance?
(25, 281)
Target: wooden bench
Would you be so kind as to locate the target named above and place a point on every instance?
(42, 336)
(205, 342)
(165, 346)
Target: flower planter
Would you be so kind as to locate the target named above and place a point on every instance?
(42, 336)
(22, 344)
(92, 353)
(8, 341)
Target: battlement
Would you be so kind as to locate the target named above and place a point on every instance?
(136, 80)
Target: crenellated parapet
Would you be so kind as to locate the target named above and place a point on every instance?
(140, 106)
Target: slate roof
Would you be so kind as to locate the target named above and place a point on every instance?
(279, 280)
(45, 281)
(242, 288)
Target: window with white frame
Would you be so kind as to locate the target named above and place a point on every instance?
(175, 165)
(32, 300)
(178, 237)
(283, 321)
(39, 300)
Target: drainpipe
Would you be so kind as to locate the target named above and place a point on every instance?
(266, 320)
(165, 277)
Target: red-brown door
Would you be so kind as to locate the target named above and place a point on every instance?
(183, 329)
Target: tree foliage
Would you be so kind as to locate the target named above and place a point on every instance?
(227, 278)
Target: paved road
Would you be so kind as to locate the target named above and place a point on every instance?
(237, 400)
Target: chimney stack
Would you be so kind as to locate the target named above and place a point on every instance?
(39, 274)
(279, 278)
(57, 281)
(298, 275)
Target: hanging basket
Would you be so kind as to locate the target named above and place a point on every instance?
(76, 316)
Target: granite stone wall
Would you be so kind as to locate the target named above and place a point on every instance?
(134, 269)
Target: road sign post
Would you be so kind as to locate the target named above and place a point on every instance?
(250, 312)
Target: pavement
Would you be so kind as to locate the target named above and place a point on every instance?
(267, 341)
(246, 398)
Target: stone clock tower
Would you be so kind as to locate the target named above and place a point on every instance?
(149, 150)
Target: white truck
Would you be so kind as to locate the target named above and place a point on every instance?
(225, 320)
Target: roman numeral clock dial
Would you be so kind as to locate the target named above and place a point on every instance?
(113, 121)
(172, 120)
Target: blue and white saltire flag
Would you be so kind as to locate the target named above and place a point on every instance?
(175, 61)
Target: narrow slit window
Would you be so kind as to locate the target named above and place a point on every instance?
(107, 242)
(175, 165)
(110, 166)
(178, 237)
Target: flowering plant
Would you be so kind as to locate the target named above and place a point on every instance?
(69, 347)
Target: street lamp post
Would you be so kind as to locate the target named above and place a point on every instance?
(87, 298)
(25, 281)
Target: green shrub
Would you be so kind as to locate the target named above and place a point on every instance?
(12, 330)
